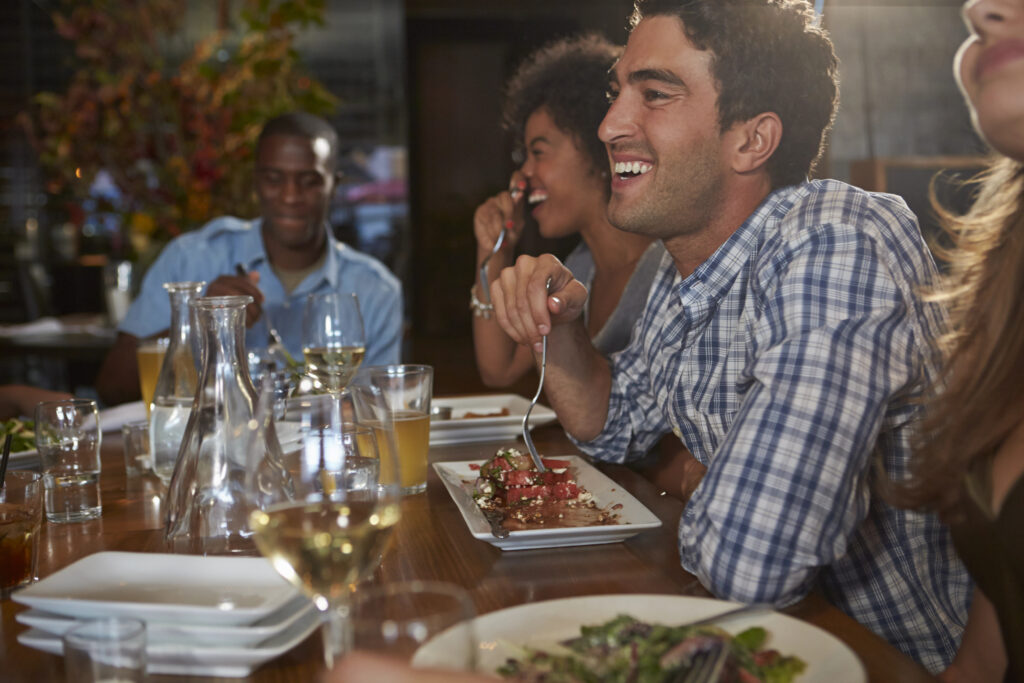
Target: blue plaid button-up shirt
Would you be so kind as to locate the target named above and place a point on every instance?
(788, 363)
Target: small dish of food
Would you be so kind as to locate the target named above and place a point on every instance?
(482, 417)
(571, 504)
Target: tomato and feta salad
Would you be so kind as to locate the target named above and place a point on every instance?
(511, 484)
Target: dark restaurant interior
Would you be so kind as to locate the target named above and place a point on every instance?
(418, 88)
(745, 453)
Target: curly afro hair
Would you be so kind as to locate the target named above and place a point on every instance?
(568, 78)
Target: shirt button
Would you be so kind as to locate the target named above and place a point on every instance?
(678, 432)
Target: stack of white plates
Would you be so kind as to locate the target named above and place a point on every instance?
(205, 616)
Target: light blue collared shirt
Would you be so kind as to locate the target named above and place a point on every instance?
(224, 243)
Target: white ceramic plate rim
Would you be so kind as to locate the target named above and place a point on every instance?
(24, 459)
(461, 430)
(188, 659)
(540, 624)
(633, 516)
(230, 578)
(200, 635)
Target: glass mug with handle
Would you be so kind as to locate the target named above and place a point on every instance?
(333, 525)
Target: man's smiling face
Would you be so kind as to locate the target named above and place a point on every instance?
(662, 133)
(294, 183)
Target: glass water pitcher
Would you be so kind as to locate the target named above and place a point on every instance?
(224, 442)
(176, 384)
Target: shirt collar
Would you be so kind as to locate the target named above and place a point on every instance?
(714, 278)
(253, 253)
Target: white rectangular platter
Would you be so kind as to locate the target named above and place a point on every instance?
(461, 429)
(633, 516)
(223, 591)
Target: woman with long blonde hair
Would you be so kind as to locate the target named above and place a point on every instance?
(970, 459)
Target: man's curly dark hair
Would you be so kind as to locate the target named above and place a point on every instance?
(569, 78)
(769, 56)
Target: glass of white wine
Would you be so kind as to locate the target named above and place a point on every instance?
(334, 340)
(331, 527)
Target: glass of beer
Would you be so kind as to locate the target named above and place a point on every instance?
(407, 389)
(150, 354)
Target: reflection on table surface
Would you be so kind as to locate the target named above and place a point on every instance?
(432, 542)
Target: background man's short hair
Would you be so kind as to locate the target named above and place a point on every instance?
(303, 125)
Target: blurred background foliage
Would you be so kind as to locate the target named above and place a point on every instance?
(157, 144)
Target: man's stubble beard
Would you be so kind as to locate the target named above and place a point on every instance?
(683, 208)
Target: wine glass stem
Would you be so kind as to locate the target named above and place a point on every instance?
(337, 634)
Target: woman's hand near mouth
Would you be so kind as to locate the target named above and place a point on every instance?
(502, 211)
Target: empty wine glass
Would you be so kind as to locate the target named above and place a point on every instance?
(333, 526)
(334, 341)
(425, 623)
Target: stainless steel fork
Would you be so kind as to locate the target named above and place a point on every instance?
(274, 342)
(706, 666)
(537, 462)
(485, 281)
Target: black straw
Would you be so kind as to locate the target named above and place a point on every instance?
(6, 457)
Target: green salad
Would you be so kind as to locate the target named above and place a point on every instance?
(23, 434)
(625, 649)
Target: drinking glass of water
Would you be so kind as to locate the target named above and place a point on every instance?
(68, 440)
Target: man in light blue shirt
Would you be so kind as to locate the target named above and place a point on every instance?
(784, 340)
(286, 254)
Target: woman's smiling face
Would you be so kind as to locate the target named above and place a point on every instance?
(989, 68)
(565, 192)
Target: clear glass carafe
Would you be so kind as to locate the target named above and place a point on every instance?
(176, 384)
(207, 502)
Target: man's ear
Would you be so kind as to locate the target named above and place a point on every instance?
(754, 141)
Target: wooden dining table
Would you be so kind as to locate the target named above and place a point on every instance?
(431, 542)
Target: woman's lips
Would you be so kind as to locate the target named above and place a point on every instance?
(992, 58)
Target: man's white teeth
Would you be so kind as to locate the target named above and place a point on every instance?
(632, 167)
(537, 197)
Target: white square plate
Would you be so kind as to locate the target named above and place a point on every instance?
(200, 635)
(458, 478)
(461, 429)
(24, 460)
(163, 587)
(191, 660)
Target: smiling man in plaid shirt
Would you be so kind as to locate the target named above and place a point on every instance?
(784, 340)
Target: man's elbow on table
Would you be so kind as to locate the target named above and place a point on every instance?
(748, 577)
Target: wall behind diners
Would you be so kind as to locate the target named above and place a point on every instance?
(897, 93)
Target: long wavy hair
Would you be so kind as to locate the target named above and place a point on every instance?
(979, 397)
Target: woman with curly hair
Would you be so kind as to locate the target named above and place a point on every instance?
(553, 105)
(970, 459)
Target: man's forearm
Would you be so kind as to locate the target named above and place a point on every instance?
(578, 381)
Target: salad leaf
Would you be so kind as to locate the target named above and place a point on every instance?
(23, 435)
(627, 650)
